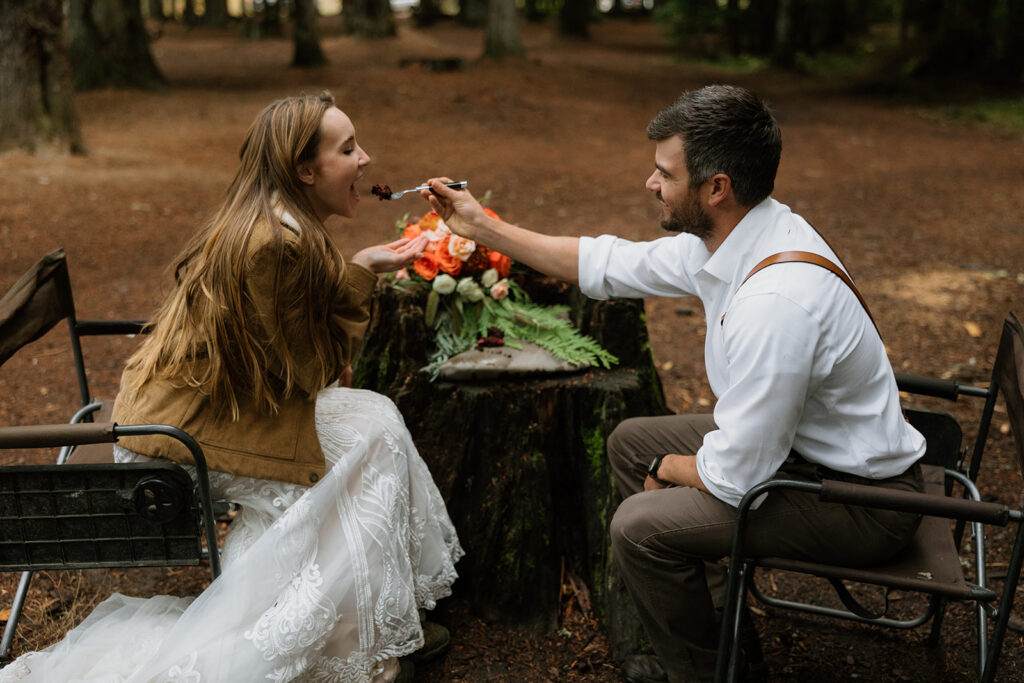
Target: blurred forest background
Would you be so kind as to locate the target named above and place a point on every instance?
(50, 48)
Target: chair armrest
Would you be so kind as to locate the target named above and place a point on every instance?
(928, 386)
(45, 436)
(939, 388)
(97, 327)
(833, 491)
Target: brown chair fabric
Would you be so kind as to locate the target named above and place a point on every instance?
(929, 564)
(38, 300)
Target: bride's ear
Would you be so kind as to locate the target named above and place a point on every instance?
(305, 174)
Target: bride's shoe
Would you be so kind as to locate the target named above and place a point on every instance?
(406, 671)
(436, 640)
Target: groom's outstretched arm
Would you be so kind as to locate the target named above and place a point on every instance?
(552, 255)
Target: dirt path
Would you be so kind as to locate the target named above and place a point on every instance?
(927, 215)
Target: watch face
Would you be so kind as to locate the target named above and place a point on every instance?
(653, 468)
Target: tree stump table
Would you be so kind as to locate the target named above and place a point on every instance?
(520, 461)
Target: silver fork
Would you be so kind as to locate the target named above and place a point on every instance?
(455, 186)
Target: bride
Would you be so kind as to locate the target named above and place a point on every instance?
(343, 538)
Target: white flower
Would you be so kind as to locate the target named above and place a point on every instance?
(468, 289)
(489, 277)
(442, 229)
(499, 290)
(444, 284)
(461, 248)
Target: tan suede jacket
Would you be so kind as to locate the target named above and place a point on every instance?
(282, 447)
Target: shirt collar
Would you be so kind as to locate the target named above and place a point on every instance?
(733, 251)
(282, 213)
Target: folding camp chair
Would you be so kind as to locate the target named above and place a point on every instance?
(40, 299)
(73, 515)
(100, 515)
(931, 564)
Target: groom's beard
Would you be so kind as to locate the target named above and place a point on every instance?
(690, 217)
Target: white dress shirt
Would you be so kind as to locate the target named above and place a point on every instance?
(792, 357)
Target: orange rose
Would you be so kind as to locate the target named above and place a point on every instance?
(500, 263)
(412, 230)
(491, 213)
(429, 221)
(426, 268)
(440, 254)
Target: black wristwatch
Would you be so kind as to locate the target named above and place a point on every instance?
(655, 464)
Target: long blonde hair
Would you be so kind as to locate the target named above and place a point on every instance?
(199, 334)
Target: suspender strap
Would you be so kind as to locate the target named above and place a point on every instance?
(818, 260)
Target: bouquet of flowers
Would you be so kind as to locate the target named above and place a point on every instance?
(473, 302)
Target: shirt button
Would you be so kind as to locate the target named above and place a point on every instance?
(314, 477)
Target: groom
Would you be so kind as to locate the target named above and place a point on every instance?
(802, 380)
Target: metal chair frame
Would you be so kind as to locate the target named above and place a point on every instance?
(965, 509)
(19, 553)
(33, 306)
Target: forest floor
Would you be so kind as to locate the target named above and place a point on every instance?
(926, 212)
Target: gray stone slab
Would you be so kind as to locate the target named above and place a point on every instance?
(503, 361)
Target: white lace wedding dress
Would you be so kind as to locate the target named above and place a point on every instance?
(319, 584)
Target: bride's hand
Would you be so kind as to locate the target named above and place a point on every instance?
(385, 258)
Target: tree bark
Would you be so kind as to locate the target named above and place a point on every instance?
(369, 18)
(1010, 69)
(155, 10)
(574, 18)
(426, 13)
(215, 13)
(473, 12)
(501, 34)
(521, 461)
(307, 41)
(110, 46)
(784, 51)
(37, 111)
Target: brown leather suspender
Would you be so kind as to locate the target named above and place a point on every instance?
(818, 260)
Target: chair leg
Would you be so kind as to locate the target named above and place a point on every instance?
(939, 607)
(995, 645)
(728, 661)
(12, 621)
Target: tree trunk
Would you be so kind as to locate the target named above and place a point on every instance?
(532, 11)
(188, 14)
(955, 38)
(1010, 69)
(521, 461)
(759, 23)
(426, 13)
(574, 17)
(216, 13)
(110, 46)
(837, 25)
(307, 41)
(268, 19)
(784, 51)
(473, 12)
(37, 110)
(369, 18)
(155, 10)
(501, 34)
(733, 22)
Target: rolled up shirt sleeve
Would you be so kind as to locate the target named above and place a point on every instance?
(610, 266)
(770, 345)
